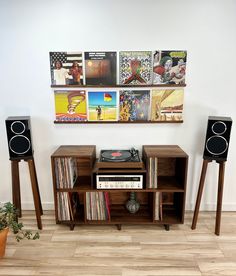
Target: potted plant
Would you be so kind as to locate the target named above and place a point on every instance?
(9, 221)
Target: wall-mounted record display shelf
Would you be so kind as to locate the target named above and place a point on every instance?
(118, 104)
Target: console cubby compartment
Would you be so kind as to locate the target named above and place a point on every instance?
(72, 167)
(70, 207)
(171, 173)
(172, 207)
(119, 213)
(97, 206)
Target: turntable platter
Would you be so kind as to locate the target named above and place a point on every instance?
(116, 155)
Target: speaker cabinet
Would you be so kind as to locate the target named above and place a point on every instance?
(217, 138)
(19, 137)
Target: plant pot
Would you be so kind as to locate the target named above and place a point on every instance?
(3, 241)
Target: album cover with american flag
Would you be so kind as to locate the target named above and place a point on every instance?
(66, 68)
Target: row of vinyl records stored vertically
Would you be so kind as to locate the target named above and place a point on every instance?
(97, 206)
(158, 206)
(66, 172)
(152, 173)
(65, 204)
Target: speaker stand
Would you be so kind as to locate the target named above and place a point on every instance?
(219, 196)
(16, 198)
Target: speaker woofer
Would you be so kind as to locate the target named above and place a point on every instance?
(216, 145)
(219, 128)
(19, 144)
(17, 127)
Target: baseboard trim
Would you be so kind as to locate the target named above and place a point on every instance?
(188, 207)
(30, 206)
(212, 207)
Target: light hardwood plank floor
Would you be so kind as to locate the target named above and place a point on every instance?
(135, 250)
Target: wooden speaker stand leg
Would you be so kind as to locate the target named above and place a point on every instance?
(16, 185)
(199, 195)
(35, 191)
(219, 197)
(37, 187)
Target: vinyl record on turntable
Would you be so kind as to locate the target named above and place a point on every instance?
(116, 155)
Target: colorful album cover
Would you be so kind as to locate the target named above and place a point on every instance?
(100, 68)
(102, 106)
(167, 105)
(169, 67)
(66, 68)
(134, 105)
(136, 67)
(70, 106)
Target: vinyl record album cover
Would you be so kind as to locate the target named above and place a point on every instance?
(70, 105)
(134, 105)
(169, 67)
(66, 68)
(167, 105)
(100, 68)
(135, 67)
(102, 106)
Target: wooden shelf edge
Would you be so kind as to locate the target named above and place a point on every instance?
(119, 86)
(118, 122)
(104, 222)
(84, 189)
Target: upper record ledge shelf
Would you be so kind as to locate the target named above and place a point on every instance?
(118, 86)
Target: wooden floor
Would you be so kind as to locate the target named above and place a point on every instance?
(133, 251)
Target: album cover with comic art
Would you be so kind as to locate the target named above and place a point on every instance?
(70, 106)
(100, 68)
(167, 105)
(134, 105)
(66, 68)
(169, 67)
(102, 106)
(135, 67)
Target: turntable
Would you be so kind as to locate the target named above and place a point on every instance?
(119, 155)
(119, 159)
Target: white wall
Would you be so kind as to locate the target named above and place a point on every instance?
(30, 29)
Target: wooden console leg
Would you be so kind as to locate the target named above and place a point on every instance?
(35, 192)
(118, 226)
(219, 197)
(72, 226)
(167, 227)
(199, 195)
(16, 185)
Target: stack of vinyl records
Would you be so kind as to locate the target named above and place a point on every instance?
(64, 206)
(153, 164)
(66, 172)
(97, 206)
(158, 206)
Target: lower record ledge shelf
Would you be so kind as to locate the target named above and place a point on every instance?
(118, 122)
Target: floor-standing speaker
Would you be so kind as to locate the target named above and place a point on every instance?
(19, 137)
(217, 138)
